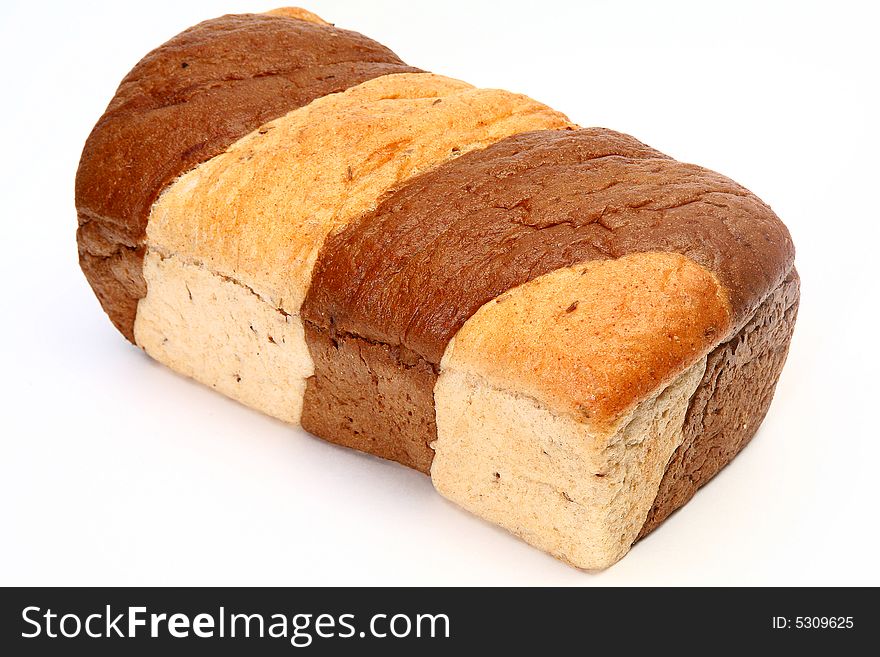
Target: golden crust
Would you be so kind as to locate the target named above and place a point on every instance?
(596, 339)
(298, 13)
(260, 211)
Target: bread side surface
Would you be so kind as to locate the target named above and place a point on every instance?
(731, 401)
(254, 218)
(371, 397)
(185, 102)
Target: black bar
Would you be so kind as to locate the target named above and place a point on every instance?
(583, 621)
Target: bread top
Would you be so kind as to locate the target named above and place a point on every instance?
(191, 98)
(260, 211)
(433, 253)
(589, 340)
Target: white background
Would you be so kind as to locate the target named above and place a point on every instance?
(114, 470)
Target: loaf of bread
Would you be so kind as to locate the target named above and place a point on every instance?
(570, 331)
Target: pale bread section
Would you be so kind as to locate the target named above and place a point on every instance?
(579, 493)
(246, 226)
(224, 335)
(260, 211)
(560, 403)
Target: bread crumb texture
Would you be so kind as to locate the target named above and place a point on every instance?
(578, 492)
(221, 333)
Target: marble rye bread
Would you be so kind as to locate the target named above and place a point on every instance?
(568, 330)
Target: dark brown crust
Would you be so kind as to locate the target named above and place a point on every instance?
(185, 102)
(404, 279)
(451, 240)
(731, 401)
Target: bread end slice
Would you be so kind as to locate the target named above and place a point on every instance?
(560, 403)
(578, 493)
(223, 334)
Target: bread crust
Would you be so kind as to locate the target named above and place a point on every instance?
(185, 102)
(297, 12)
(592, 340)
(405, 278)
(260, 211)
(731, 400)
(448, 242)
